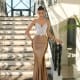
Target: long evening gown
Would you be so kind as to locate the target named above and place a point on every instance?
(40, 44)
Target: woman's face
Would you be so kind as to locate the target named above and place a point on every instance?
(41, 13)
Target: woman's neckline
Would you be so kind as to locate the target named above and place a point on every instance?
(41, 25)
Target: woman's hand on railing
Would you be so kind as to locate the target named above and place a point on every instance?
(58, 41)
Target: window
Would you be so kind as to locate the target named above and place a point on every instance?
(17, 7)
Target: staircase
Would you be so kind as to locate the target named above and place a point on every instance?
(16, 53)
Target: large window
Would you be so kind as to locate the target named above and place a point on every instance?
(20, 7)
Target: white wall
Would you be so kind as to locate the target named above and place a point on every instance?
(59, 14)
(70, 1)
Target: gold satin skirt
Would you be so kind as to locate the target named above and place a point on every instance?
(40, 44)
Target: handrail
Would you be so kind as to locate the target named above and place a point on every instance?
(56, 49)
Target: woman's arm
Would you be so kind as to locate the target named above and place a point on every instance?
(29, 28)
(51, 36)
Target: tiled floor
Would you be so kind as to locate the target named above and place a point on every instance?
(50, 78)
(68, 79)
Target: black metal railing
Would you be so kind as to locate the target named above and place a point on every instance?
(56, 49)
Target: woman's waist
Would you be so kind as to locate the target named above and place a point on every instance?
(40, 33)
(37, 35)
(41, 36)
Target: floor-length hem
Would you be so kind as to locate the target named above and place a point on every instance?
(40, 44)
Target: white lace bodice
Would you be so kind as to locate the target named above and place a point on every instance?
(40, 30)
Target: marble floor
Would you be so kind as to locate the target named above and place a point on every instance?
(69, 71)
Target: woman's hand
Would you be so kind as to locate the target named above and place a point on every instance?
(58, 41)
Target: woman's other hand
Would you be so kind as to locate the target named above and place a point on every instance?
(58, 41)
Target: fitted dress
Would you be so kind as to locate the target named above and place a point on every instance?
(40, 44)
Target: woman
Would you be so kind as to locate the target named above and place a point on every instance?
(40, 43)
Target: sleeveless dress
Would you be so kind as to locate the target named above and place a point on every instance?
(40, 44)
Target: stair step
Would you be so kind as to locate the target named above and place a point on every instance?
(17, 56)
(17, 31)
(17, 18)
(19, 65)
(16, 42)
(14, 31)
(5, 55)
(5, 29)
(17, 36)
(10, 38)
(13, 45)
(16, 48)
(15, 27)
(15, 22)
(15, 75)
(16, 65)
(12, 52)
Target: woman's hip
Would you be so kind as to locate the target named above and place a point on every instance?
(40, 42)
(39, 38)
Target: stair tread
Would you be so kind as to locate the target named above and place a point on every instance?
(28, 62)
(15, 72)
(17, 52)
(14, 62)
(25, 45)
(17, 18)
(14, 23)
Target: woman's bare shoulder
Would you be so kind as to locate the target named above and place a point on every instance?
(48, 22)
(34, 21)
